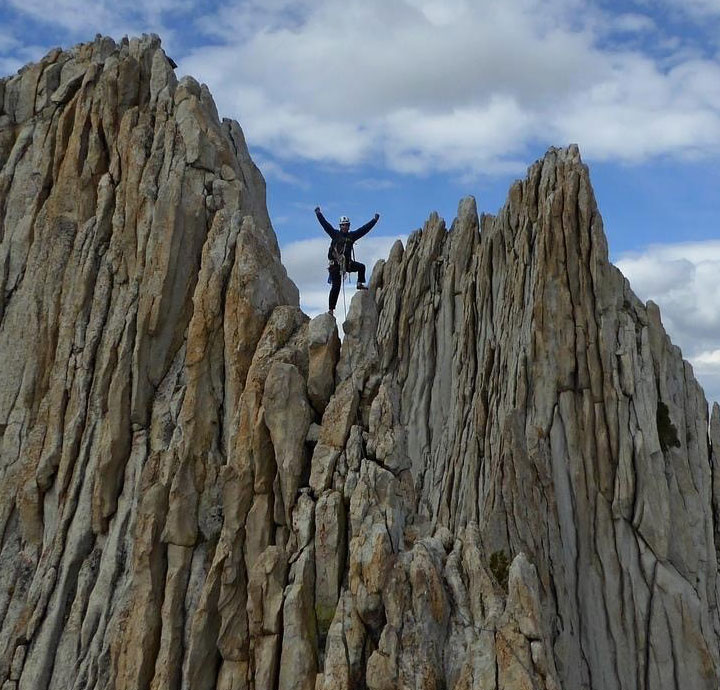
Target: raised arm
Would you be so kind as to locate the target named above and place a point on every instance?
(365, 229)
(329, 229)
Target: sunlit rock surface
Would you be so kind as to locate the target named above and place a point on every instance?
(506, 478)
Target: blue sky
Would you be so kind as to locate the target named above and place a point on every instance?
(405, 106)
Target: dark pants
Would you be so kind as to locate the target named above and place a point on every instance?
(336, 278)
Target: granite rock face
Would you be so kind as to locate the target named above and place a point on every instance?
(507, 477)
(545, 410)
(139, 276)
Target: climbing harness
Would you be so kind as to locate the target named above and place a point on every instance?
(339, 260)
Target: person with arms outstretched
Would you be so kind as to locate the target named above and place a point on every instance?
(340, 254)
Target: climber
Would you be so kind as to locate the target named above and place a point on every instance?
(341, 256)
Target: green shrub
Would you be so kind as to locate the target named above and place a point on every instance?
(324, 616)
(500, 568)
(667, 431)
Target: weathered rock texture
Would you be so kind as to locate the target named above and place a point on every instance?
(503, 479)
(543, 408)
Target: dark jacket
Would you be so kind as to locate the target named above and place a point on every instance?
(342, 242)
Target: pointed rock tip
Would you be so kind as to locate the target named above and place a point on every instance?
(321, 328)
(362, 302)
(652, 307)
(396, 251)
(467, 210)
(566, 155)
(145, 40)
(571, 152)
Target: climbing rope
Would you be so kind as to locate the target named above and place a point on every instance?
(340, 259)
(355, 383)
(343, 274)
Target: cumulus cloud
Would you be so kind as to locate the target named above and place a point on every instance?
(683, 280)
(82, 20)
(8, 42)
(306, 264)
(424, 85)
(707, 369)
(13, 54)
(631, 22)
(9, 65)
(698, 9)
(271, 169)
(376, 184)
(709, 359)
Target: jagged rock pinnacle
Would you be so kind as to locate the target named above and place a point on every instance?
(502, 479)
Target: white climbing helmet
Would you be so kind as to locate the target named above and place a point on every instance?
(344, 219)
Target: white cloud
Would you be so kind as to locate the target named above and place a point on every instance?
(9, 66)
(376, 184)
(14, 54)
(419, 86)
(707, 368)
(82, 20)
(698, 9)
(632, 23)
(470, 138)
(286, 129)
(306, 264)
(425, 85)
(708, 359)
(8, 42)
(683, 280)
(273, 170)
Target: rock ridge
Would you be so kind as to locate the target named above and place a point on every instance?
(506, 476)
